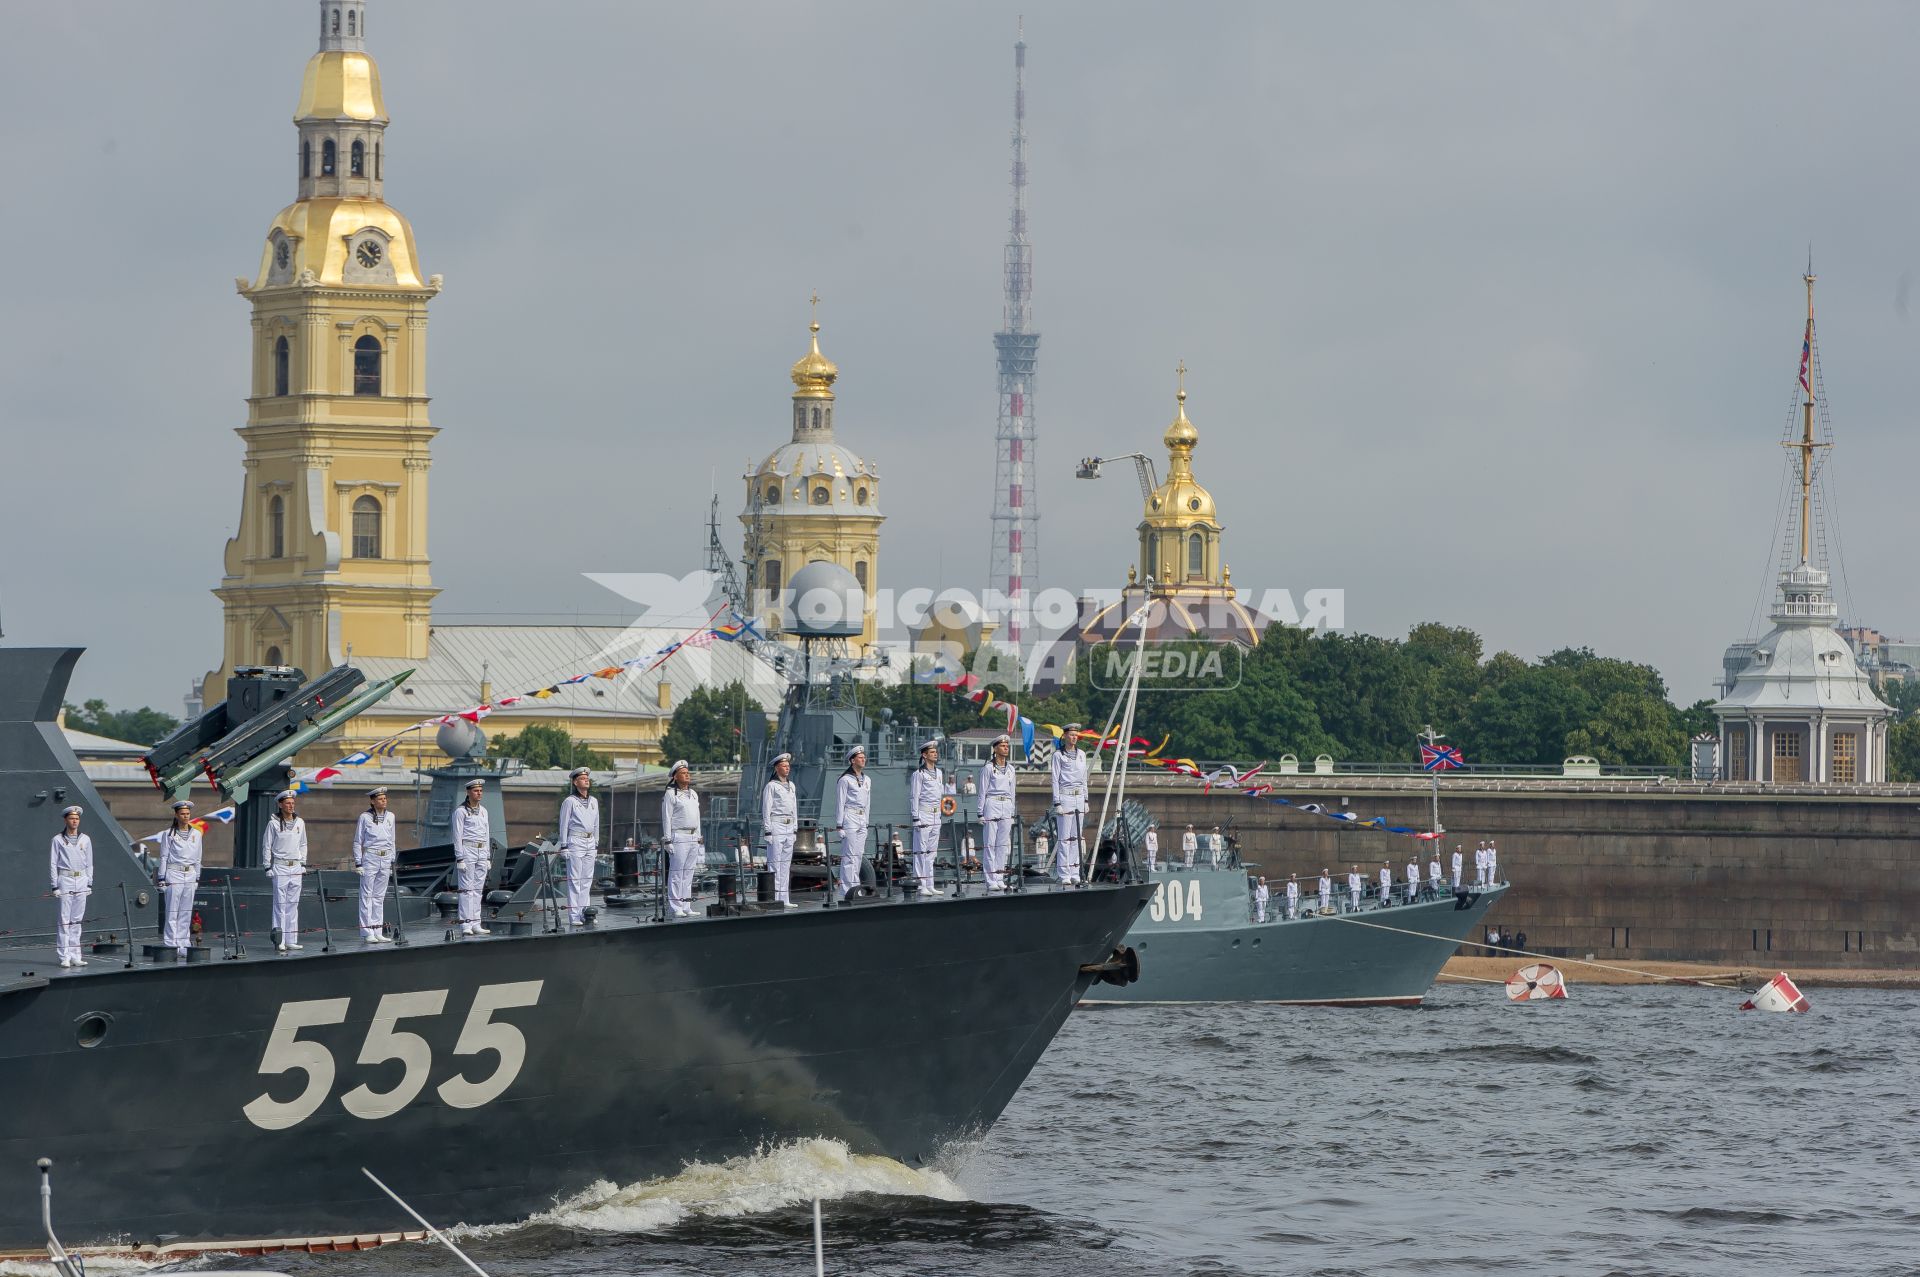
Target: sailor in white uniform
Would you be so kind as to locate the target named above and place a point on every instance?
(1189, 843)
(472, 856)
(1493, 864)
(580, 842)
(1069, 804)
(1480, 865)
(1353, 885)
(1293, 896)
(72, 865)
(373, 851)
(1326, 891)
(1260, 897)
(780, 818)
(925, 788)
(1386, 886)
(1433, 875)
(1458, 860)
(1153, 848)
(1413, 881)
(686, 843)
(1217, 845)
(179, 868)
(853, 797)
(996, 813)
(283, 849)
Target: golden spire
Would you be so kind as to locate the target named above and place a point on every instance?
(1180, 436)
(814, 375)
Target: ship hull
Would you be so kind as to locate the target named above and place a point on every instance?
(1374, 957)
(198, 1114)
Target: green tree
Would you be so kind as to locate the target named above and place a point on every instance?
(1526, 719)
(1632, 730)
(1365, 691)
(706, 725)
(1447, 661)
(1903, 751)
(141, 726)
(1901, 693)
(1699, 717)
(541, 746)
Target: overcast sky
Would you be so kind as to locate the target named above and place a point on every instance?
(1491, 311)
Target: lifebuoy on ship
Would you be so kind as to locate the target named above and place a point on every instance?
(948, 806)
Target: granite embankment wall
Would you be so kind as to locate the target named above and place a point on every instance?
(1622, 870)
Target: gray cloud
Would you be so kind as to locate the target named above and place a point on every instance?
(1491, 311)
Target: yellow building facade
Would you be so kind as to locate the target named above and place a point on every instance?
(811, 500)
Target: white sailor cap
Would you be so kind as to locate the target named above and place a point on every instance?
(1003, 739)
(71, 811)
(782, 758)
(377, 791)
(578, 772)
(1072, 727)
(476, 783)
(857, 749)
(932, 742)
(285, 794)
(678, 763)
(182, 804)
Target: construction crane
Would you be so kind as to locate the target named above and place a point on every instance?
(1142, 464)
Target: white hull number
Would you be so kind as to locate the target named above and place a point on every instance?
(1171, 904)
(287, 1053)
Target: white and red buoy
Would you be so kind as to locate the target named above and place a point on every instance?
(1536, 983)
(1778, 994)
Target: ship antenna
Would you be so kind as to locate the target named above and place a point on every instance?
(438, 1236)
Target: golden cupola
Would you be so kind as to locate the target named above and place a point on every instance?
(1180, 527)
(814, 374)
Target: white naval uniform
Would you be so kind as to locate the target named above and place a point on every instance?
(72, 866)
(283, 848)
(1386, 886)
(179, 858)
(1070, 808)
(1480, 865)
(1433, 874)
(1216, 847)
(852, 798)
(1293, 898)
(373, 850)
(472, 857)
(996, 823)
(1153, 849)
(1326, 893)
(1413, 880)
(1260, 897)
(780, 818)
(924, 789)
(1458, 860)
(1493, 864)
(1189, 844)
(1353, 887)
(680, 821)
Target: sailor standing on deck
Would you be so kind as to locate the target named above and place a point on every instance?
(1069, 802)
(1326, 891)
(1413, 880)
(179, 866)
(680, 822)
(1293, 897)
(580, 842)
(1188, 845)
(854, 796)
(1493, 864)
(283, 849)
(1260, 897)
(996, 813)
(1386, 886)
(925, 788)
(1216, 846)
(780, 818)
(1433, 875)
(472, 857)
(72, 865)
(1458, 860)
(1353, 885)
(1480, 865)
(1153, 848)
(373, 848)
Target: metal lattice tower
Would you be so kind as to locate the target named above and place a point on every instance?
(1016, 509)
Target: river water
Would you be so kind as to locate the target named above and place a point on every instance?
(1634, 1131)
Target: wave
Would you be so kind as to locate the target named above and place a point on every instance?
(773, 1179)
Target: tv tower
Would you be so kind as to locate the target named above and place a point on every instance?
(1016, 511)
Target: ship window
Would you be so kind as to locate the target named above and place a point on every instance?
(326, 158)
(357, 159)
(306, 159)
(366, 366)
(281, 361)
(366, 528)
(277, 532)
(1196, 555)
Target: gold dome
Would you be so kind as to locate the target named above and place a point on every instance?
(814, 375)
(1181, 499)
(341, 85)
(319, 232)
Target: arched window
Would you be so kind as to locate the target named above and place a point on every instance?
(1196, 555)
(799, 416)
(274, 657)
(366, 366)
(326, 158)
(277, 532)
(859, 496)
(770, 579)
(860, 573)
(366, 528)
(829, 417)
(306, 159)
(336, 22)
(376, 161)
(357, 159)
(816, 418)
(281, 365)
(349, 22)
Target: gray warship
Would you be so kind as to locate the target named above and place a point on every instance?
(229, 1102)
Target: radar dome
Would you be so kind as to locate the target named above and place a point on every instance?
(461, 739)
(825, 601)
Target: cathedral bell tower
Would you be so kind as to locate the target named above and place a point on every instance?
(331, 552)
